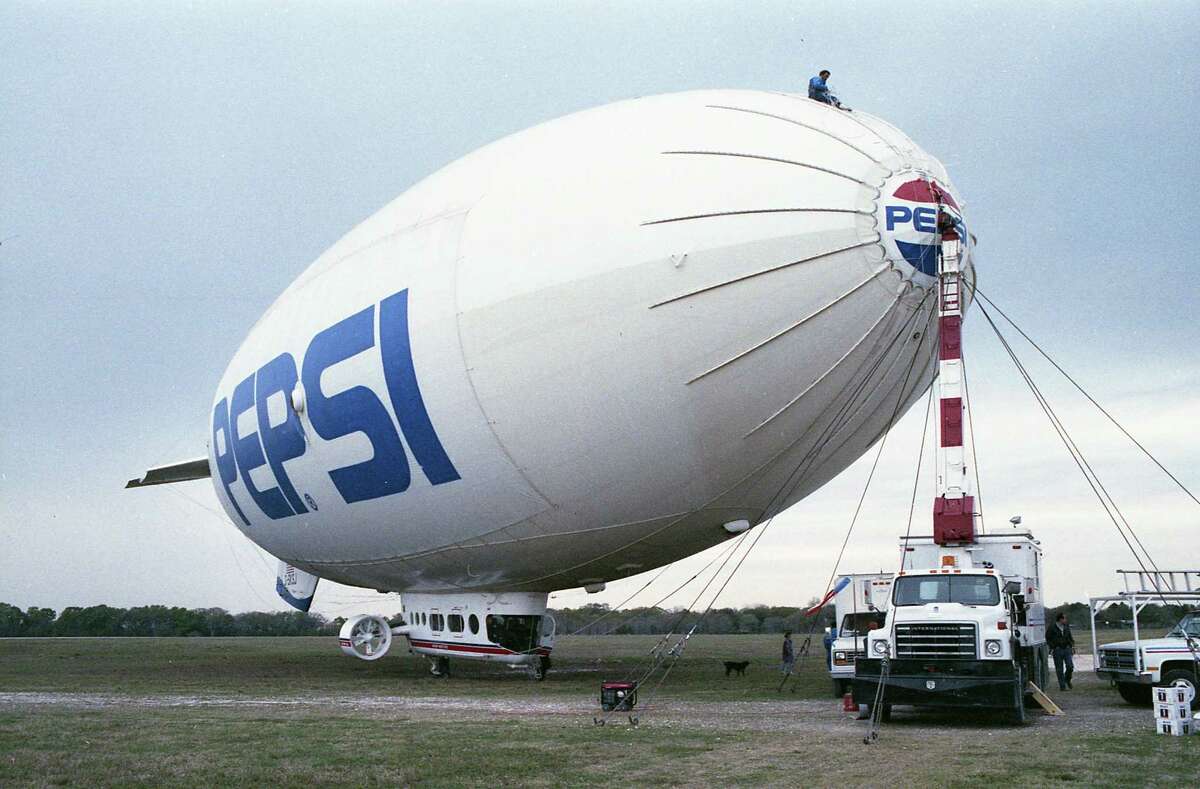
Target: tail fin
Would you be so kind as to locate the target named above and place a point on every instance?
(295, 586)
(182, 471)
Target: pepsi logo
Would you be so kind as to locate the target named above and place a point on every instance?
(910, 219)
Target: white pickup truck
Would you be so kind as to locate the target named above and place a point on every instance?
(859, 608)
(1136, 666)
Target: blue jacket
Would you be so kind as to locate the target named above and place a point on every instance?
(817, 89)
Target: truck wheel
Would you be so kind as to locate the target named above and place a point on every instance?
(1181, 676)
(839, 688)
(1017, 711)
(1134, 693)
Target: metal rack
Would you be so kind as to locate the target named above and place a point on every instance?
(1141, 589)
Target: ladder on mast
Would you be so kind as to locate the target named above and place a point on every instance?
(954, 505)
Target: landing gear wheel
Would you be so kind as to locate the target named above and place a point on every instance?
(440, 667)
(1181, 676)
(540, 668)
(1134, 693)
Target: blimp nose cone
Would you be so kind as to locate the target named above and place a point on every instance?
(769, 166)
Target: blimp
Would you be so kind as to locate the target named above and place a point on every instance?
(579, 353)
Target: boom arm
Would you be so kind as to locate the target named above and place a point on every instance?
(954, 507)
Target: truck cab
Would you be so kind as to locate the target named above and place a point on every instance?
(965, 628)
(859, 608)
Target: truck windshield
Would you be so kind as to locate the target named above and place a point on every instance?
(518, 633)
(1188, 626)
(860, 624)
(965, 589)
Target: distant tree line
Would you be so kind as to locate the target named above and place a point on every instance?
(159, 620)
(1119, 615)
(595, 619)
(598, 619)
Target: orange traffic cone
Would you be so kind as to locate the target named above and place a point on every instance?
(848, 704)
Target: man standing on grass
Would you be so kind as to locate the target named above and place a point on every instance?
(1062, 647)
(789, 654)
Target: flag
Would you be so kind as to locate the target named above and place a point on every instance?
(839, 586)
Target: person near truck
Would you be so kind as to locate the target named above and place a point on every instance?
(1062, 647)
(831, 634)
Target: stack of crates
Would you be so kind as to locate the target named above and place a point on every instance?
(1173, 711)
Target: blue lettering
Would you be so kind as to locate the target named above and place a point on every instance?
(356, 410)
(284, 441)
(226, 465)
(249, 453)
(925, 219)
(405, 393)
(897, 214)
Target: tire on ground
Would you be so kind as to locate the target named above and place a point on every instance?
(1016, 714)
(1176, 674)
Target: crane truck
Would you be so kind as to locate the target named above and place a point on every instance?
(966, 625)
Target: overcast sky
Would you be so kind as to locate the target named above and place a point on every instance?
(167, 169)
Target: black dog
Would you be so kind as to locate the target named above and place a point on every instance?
(740, 668)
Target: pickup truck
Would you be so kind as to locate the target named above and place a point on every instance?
(1136, 666)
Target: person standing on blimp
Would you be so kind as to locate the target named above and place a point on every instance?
(818, 89)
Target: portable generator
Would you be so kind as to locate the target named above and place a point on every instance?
(618, 696)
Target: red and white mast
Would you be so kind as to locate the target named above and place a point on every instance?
(954, 506)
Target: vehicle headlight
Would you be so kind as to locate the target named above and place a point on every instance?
(879, 647)
(839, 657)
(993, 647)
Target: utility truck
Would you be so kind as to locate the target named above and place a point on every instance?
(1138, 665)
(966, 627)
(858, 608)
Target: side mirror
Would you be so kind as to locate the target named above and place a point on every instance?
(1012, 587)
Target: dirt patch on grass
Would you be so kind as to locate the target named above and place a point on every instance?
(1093, 708)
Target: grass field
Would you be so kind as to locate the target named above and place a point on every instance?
(295, 712)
